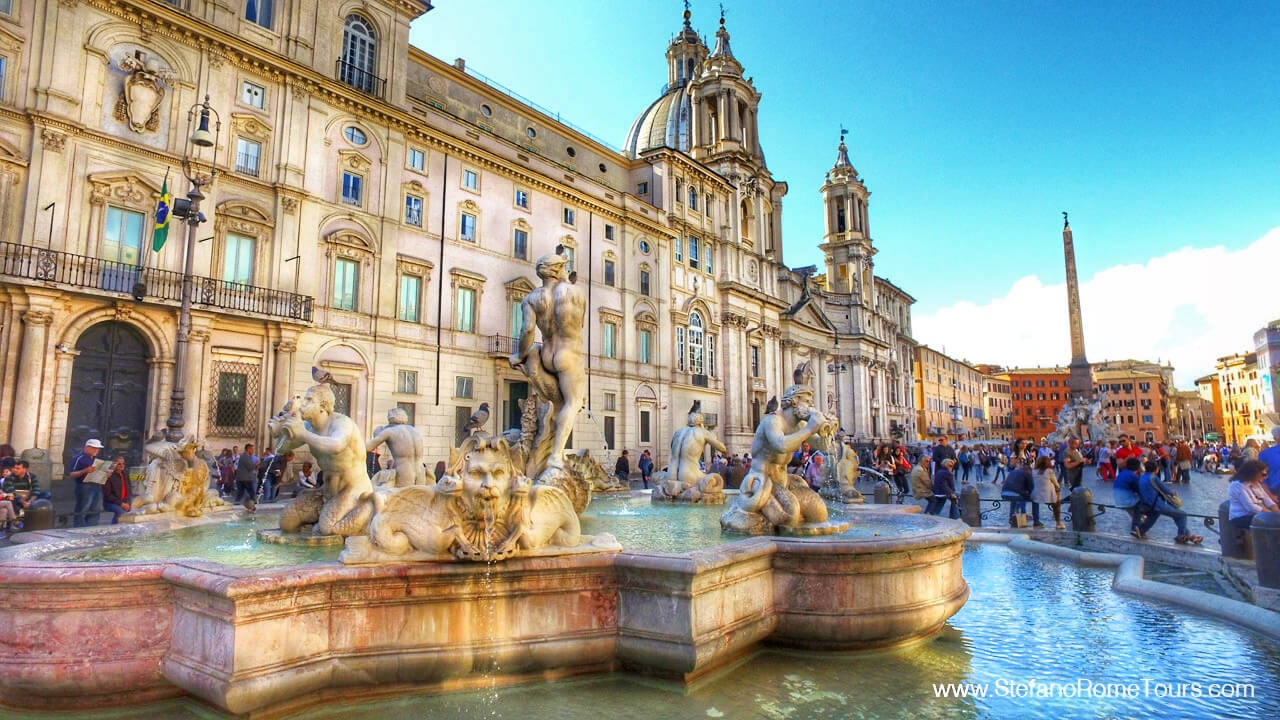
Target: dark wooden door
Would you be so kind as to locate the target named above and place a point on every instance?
(109, 385)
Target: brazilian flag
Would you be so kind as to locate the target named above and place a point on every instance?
(162, 217)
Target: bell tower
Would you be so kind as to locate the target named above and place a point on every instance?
(847, 240)
(685, 54)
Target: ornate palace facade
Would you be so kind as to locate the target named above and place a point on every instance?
(378, 213)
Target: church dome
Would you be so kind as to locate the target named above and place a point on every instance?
(665, 123)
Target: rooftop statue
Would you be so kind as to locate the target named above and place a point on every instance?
(769, 499)
(684, 480)
(338, 447)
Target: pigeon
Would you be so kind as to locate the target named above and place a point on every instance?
(772, 405)
(478, 419)
(320, 375)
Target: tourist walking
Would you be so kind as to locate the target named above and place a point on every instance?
(1182, 461)
(1162, 501)
(944, 488)
(1045, 489)
(1002, 465)
(966, 464)
(247, 479)
(1246, 495)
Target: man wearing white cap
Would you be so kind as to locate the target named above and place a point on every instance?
(88, 495)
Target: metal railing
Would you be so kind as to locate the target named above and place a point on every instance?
(247, 164)
(80, 271)
(526, 101)
(360, 79)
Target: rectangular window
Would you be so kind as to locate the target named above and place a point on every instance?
(609, 430)
(610, 401)
(253, 95)
(413, 210)
(572, 254)
(711, 355)
(644, 426)
(341, 398)
(610, 348)
(707, 251)
(1146, 418)
(517, 319)
(608, 231)
(237, 265)
(352, 189)
(407, 382)
(570, 216)
(247, 154)
(417, 159)
(464, 311)
(522, 198)
(608, 273)
(645, 353)
(680, 348)
(642, 188)
(122, 236)
(260, 12)
(463, 386)
(467, 227)
(520, 244)
(755, 361)
(461, 416)
(679, 246)
(410, 409)
(644, 282)
(4, 74)
(344, 283)
(230, 411)
(410, 297)
(693, 198)
(471, 179)
(679, 191)
(693, 252)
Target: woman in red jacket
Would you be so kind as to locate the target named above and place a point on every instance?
(115, 493)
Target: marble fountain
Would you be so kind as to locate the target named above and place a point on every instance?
(503, 572)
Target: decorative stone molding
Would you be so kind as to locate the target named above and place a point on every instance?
(611, 315)
(466, 279)
(249, 126)
(354, 161)
(123, 310)
(413, 266)
(288, 204)
(732, 319)
(286, 346)
(143, 92)
(37, 317)
(53, 140)
(124, 188)
(518, 288)
(770, 331)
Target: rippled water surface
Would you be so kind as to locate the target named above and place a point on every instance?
(232, 543)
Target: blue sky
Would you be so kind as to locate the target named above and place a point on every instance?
(1157, 125)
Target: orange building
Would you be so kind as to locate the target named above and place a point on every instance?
(1136, 402)
(1037, 395)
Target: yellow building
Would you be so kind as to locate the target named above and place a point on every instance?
(376, 212)
(948, 397)
(1240, 397)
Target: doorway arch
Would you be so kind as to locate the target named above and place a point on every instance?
(107, 398)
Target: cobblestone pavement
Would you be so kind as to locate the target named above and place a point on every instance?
(1200, 497)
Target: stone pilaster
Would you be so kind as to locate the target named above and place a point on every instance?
(280, 388)
(26, 407)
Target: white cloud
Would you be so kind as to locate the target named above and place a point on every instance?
(1189, 307)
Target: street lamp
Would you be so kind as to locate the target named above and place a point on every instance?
(955, 406)
(188, 209)
(1227, 413)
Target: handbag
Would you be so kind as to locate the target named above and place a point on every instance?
(1171, 498)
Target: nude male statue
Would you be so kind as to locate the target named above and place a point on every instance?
(766, 490)
(338, 447)
(687, 446)
(554, 366)
(405, 443)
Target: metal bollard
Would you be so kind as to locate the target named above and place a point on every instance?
(1234, 541)
(883, 493)
(1265, 534)
(39, 516)
(970, 510)
(1082, 510)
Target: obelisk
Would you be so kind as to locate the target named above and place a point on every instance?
(1080, 381)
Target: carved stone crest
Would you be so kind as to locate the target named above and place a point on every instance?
(144, 89)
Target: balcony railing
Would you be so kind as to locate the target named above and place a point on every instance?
(360, 79)
(35, 263)
(502, 346)
(247, 164)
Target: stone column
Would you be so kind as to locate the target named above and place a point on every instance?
(722, 131)
(695, 122)
(26, 406)
(280, 386)
(197, 385)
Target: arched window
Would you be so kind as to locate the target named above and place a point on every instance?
(360, 56)
(696, 361)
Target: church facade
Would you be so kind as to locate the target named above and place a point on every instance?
(377, 213)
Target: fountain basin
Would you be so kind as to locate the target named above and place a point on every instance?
(249, 640)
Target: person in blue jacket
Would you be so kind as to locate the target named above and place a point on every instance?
(944, 488)
(1016, 489)
(1125, 494)
(1155, 494)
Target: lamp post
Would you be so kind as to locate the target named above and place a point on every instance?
(1229, 415)
(188, 209)
(955, 406)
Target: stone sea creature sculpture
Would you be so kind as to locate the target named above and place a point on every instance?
(483, 509)
(584, 466)
(339, 450)
(840, 483)
(769, 499)
(684, 481)
(176, 479)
